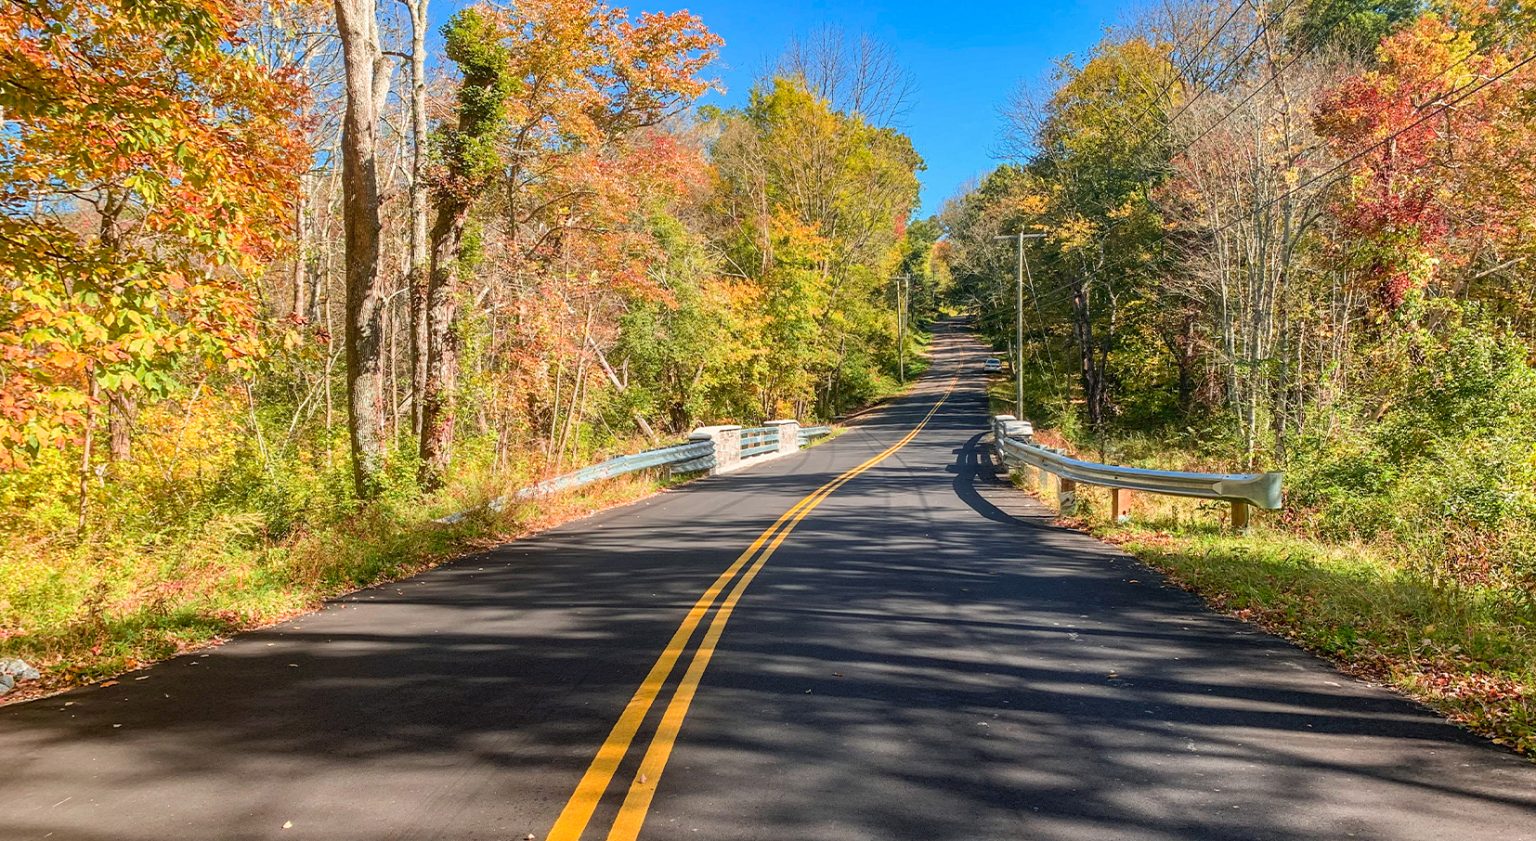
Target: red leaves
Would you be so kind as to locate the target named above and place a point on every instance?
(1423, 198)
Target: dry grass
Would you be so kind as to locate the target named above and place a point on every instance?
(96, 610)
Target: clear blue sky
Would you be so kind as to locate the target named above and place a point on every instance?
(968, 57)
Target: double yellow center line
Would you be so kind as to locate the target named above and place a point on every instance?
(594, 783)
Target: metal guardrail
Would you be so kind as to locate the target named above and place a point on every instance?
(759, 441)
(692, 457)
(808, 433)
(1014, 443)
(621, 465)
(682, 458)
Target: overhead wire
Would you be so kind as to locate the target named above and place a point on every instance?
(1458, 95)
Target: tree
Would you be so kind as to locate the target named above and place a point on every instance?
(1420, 132)
(1352, 26)
(858, 76)
(149, 177)
(574, 156)
(814, 204)
(420, 255)
(470, 159)
(367, 86)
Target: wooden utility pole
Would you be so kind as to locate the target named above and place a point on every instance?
(903, 299)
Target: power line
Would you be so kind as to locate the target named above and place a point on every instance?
(1179, 72)
(1271, 80)
(1244, 101)
(1460, 94)
(1262, 31)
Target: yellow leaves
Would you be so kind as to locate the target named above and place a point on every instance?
(1028, 203)
(1073, 233)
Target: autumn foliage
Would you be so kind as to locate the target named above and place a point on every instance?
(1422, 135)
(149, 167)
(258, 330)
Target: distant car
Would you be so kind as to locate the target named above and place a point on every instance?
(992, 365)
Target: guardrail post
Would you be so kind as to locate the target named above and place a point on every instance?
(1120, 504)
(1066, 496)
(1239, 515)
(789, 434)
(727, 440)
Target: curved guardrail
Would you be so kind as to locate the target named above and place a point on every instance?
(1015, 445)
(701, 452)
(682, 458)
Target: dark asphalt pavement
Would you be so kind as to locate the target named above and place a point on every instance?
(924, 657)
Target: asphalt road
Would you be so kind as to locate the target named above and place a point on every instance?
(921, 655)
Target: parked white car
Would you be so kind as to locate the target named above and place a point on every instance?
(992, 365)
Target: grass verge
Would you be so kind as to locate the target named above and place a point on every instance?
(1467, 652)
(100, 610)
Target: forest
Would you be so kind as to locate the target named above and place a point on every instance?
(1297, 236)
(1293, 239)
(283, 284)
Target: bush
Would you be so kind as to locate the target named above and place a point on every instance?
(1448, 470)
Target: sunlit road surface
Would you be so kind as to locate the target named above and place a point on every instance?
(874, 639)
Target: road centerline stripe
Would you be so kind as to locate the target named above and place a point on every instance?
(578, 810)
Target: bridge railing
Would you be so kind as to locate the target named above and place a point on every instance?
(1015, 444)
(716, 449)
(759, 441)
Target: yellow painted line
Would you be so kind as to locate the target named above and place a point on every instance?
(637, 803)
(589, 791)
(578, 810)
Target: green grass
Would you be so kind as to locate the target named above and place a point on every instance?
(1468, 652)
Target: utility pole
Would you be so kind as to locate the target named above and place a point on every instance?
(1018, 321)
(901, 324)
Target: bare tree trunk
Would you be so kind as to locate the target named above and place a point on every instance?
(122, 403)
(1089, 370)
(367, 86)
(620, 386)
(437, 398)
(300, 253)
(85, 452)
(419, 256)
(122, 408)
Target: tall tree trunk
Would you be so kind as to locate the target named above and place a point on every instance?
(122, 408)
(437, 398)
(82, 502)
(1089, 372)
(419, 256)
(301, 252)
(367, 86)
(122, 404)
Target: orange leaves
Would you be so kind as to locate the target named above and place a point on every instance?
(156, 165)
(591, 73)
